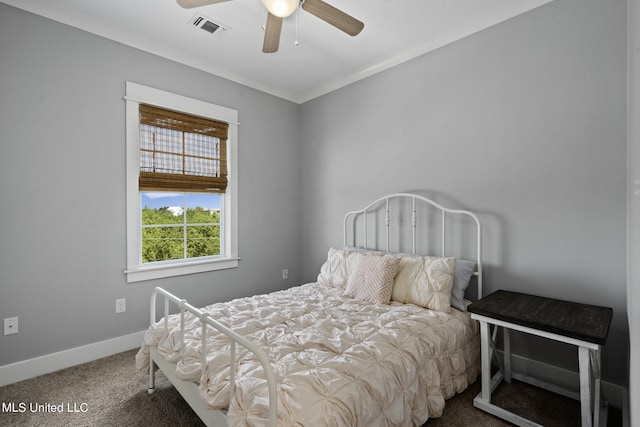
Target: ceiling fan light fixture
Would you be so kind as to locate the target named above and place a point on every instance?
(281, 8)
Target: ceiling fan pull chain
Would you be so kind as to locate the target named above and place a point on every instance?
(296, 42)
(264, 18)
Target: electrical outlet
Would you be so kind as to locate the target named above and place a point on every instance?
(121, 305)
(11, 325)
(285, 273)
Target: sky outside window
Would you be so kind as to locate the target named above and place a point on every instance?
(155, 200)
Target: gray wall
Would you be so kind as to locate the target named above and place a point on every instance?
(523, 123)
(62, 185)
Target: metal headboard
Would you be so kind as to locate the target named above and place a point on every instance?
(376, 205)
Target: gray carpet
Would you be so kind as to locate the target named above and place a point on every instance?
(110, 392)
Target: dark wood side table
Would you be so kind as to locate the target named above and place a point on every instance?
(585, 326)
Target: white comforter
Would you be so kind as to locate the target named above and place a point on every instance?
(338, 361)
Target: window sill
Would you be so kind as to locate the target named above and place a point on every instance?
(140, 274)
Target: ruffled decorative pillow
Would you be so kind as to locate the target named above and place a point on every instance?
(337, 267)
(372, 278)
(425, 281)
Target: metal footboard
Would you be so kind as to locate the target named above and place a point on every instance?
(206, 321)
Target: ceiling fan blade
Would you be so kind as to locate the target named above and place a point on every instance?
(272, 34)
(333, 16)
(188, 4)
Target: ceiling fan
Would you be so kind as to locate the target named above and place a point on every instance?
(280, 9)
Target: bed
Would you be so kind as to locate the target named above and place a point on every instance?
(382, 338)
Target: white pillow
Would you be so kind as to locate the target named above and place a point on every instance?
(461, 279)
(425, 281)
(464, 269)
(372, 278)
(336, 268)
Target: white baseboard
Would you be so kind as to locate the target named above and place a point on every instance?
(46, 364)
(616, 395)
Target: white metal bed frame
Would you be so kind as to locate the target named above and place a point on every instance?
(414, 223)
(190, 390)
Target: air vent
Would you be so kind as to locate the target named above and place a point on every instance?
(209, 25)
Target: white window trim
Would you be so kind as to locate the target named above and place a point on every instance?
(136, 271)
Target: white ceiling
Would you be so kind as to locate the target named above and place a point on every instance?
(325, 58)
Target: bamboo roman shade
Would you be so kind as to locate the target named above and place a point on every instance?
(181, 152)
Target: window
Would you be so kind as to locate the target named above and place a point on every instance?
(181, 185)
(179, 226)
